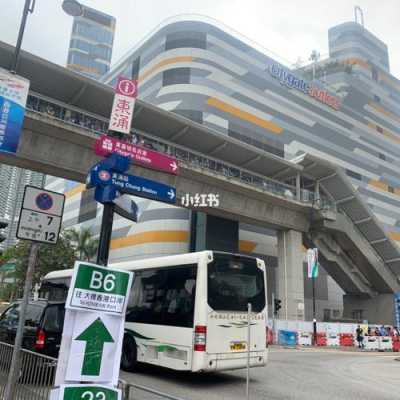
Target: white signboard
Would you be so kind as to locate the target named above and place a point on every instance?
(98, 288)
(95, 351)
(94, 321)
(85, 392)
(123, 105)
(41, 215)
(312, 263)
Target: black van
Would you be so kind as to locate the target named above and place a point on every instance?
(43, 326)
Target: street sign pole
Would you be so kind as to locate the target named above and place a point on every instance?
(314, 314)
(105, 234)
(15, 362)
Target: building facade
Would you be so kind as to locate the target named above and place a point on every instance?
(91, 43)
(343, 109)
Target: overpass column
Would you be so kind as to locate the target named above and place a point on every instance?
(290, 277)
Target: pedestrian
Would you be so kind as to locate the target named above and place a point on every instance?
(360, 337)
(396, 331)
(382, 331)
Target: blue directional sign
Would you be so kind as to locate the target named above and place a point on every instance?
(110, 183)
(142, 187)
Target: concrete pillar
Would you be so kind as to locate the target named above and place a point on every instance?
(298, 187)
(290, 276)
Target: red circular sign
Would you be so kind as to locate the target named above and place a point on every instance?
(126, 87)
(104, 175)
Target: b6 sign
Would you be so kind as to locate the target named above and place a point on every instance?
(99, 288)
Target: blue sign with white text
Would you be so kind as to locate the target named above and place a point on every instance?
(397, 308)
(13, 96)
(109, 183)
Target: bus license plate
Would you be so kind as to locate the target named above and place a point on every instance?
(238, 346)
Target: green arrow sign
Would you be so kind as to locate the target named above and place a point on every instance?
(95, 335)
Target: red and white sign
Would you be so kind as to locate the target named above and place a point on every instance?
(106, 145)
(123, 105)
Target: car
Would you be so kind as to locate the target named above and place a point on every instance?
(43, 326)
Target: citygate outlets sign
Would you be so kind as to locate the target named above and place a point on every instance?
(293, 82)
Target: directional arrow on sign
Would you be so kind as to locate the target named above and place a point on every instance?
(171, 194)
(95, 335)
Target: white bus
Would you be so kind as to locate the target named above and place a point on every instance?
(189, 311)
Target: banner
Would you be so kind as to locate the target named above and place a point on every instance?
(13, 96)
(123, 105)
(397, 309)
(312, 263)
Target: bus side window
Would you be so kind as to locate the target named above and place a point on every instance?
(164, 296)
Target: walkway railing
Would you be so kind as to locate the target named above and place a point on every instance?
(98, 125)
(36, 376)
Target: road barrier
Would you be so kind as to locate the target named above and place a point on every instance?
(346, 339)
(385, 343)
(128, 388)
(333, 339)
(321, 339)
(371, 343)
(304, 339)
(396, 343)
(36, 376)
(287, 338)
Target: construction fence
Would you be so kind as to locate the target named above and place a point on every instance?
(292, 333)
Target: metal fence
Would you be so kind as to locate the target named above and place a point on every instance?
(133, 391)
(98, 125)
(36, 376)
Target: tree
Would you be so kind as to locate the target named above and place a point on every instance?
(50, 258)
(84, 244)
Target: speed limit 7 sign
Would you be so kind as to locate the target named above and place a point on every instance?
(41, 215)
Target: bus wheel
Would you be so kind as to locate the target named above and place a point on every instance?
(129, 354)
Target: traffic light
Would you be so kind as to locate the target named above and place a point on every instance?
(277, 305)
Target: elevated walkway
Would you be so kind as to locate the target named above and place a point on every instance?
(352, 242)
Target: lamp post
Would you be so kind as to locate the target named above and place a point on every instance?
(71, 7)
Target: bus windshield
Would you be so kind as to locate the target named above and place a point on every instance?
(233, 282)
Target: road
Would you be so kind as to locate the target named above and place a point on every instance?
(309, 374)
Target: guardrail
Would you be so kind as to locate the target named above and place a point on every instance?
(36, 376)
(98, 125)
(127, 391)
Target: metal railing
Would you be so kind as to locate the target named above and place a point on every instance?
(99, 125)
(129, 391)
(36, 377)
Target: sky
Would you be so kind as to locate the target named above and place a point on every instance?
(289, 29)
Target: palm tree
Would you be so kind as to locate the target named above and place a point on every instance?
(84, 245)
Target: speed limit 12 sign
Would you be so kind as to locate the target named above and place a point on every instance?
(41, 215)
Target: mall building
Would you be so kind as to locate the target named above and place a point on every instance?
(344, 109)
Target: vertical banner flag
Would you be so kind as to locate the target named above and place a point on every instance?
(312, 262)
(123, 105)
(13, 96)
(397, 308)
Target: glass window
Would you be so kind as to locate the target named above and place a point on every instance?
(189, 39)
(164, 296)
(11, 315)
(233, 282)
(54, 318)
(33, 314)
(176, 76)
